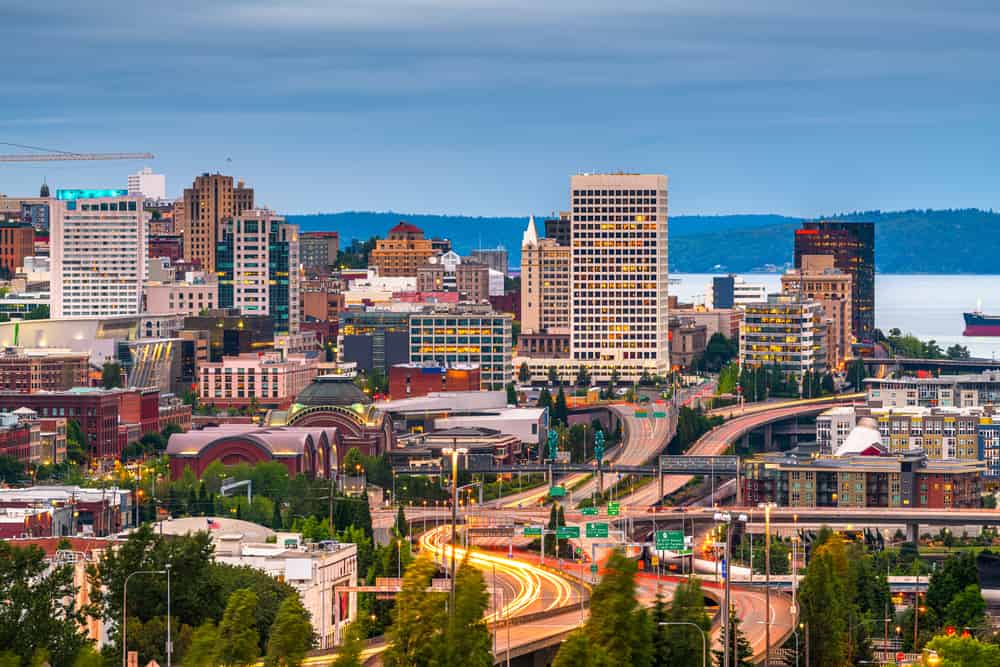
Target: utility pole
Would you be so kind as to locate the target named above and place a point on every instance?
(454, 452)
(767, 582)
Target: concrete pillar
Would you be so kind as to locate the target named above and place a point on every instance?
(913, 532)
(768, 438)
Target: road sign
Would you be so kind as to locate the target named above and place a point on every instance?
(563, 532)
(532, 531)
(614, 509)
(597, 530)
(557, 491)
(654, 561)
(720, 465)
(589, 511)
(593, 568)
(669, 540)
(640, 414)
(659, 415)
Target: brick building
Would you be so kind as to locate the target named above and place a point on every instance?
(30, 370)
(409, 380)
(96, 410)
(16, 243)
(402, 252)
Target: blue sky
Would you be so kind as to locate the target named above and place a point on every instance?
(486, 107)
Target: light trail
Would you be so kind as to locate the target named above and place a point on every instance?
(531, 579)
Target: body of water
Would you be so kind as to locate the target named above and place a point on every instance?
(928, 306)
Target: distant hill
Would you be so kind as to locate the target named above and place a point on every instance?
(915, 241)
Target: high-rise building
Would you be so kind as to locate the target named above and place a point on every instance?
(402, 252)
(208, 204)
(545, 278)
(731, 291)
(472, 281)
(818, 279)
(852, 245)
(257, 260)
(148, 184)
(98, 246)
(557, 229)
(318, 250)
(787, 332)
(619, 312)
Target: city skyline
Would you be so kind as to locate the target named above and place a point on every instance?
(784, 109)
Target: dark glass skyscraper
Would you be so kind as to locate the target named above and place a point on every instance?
(852, 245)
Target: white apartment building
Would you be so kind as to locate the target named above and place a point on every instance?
(619, 274)
(148, 184)
(833, 427)
(98, 256)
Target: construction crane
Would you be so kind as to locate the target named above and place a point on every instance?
(54, 155)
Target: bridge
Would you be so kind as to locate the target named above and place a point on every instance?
(944, 366)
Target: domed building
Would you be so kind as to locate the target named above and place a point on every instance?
(335, 401)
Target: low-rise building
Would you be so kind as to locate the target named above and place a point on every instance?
(486, 447)
(75, 510)
(960, 391)
(266, 379)
(42, 369)
(192, 297)
(410, 380)
(688, 340)
(873, 478)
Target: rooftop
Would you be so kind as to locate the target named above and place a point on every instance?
(332, 390)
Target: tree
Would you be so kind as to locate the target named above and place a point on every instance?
(39, 612)
(955, 575)
(204, 648)
(578, 651)
(238, 636)
(523, 373)
(417, 619)
(553, 376)
(967, 609)
(11, 470)
(617, 627)
(740, 651)
(958, 352)
(291, 635)
(560, 411)
(466, 640)
(719, 351)
(824, 605)
(511, 394)
(349, 654)
(965, 652)
(76, 442)
(111, 375)
(402, 527)
(582, 377)
(544, 398)
(353, 460)
(682, 643)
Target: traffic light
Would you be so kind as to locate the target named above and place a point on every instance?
(599, 446)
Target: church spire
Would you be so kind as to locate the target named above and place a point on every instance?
(530, 237)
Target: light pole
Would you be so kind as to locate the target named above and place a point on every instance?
(125, 611)
(453, 452)
(704, 638)
(767, 581)
(727, 519)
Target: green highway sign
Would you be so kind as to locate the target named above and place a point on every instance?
(614, 509)
(597, 530)
(669, 540)
(532, 530)
(563, 532)
(557, 491)
(589, 511)
(659, 415)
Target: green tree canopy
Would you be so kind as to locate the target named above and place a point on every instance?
(291, 635)
(238, 637)
(964, 652)
(38, 612)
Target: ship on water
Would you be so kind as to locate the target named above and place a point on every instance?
(978, 323)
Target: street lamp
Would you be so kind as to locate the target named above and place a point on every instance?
(704, 638)
(453, 452)
(767, 580)
(125, 612)
(727, 519)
